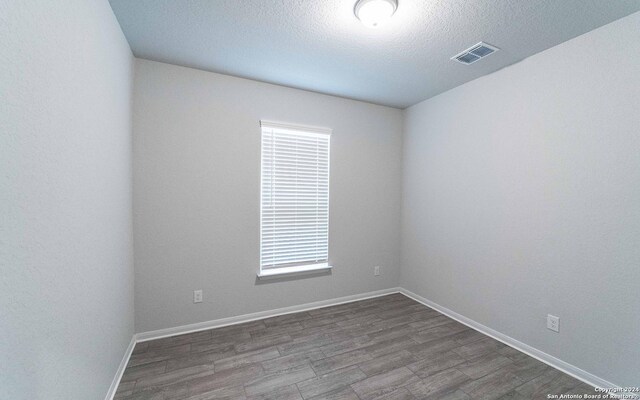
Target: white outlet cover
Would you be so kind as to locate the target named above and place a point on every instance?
(376, 270)
(553, 323)
(197, 296)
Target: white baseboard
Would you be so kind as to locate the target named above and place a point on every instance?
(556, 363)
(218, 323)
(123, 365)
(200, 326)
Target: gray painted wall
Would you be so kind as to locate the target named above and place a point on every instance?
(66, 281)
(197, 192)
(522, 197)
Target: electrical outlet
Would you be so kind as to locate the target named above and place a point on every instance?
(197, 296)
(376, 270)
(553, 323)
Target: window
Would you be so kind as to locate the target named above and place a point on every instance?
(294, 207)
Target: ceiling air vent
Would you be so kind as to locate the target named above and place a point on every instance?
(474, 53)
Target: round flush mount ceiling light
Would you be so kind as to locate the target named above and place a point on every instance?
(373, 13)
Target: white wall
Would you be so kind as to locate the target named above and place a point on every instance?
(522, 197)
(197, 192)
(66, 264)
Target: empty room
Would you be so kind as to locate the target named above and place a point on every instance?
(319, 199)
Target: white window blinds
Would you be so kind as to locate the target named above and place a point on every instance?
(294, 212)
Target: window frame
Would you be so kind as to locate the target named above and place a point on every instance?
(303, 269)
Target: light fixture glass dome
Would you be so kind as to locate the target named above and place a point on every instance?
(373, 13)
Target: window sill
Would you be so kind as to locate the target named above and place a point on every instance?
(293, 271)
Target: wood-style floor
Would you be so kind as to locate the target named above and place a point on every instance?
(389, 348)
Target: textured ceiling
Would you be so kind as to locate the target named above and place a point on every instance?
(319, 45)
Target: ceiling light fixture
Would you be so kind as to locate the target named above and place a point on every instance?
(373, 13)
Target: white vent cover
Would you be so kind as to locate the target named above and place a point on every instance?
(474, 53)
